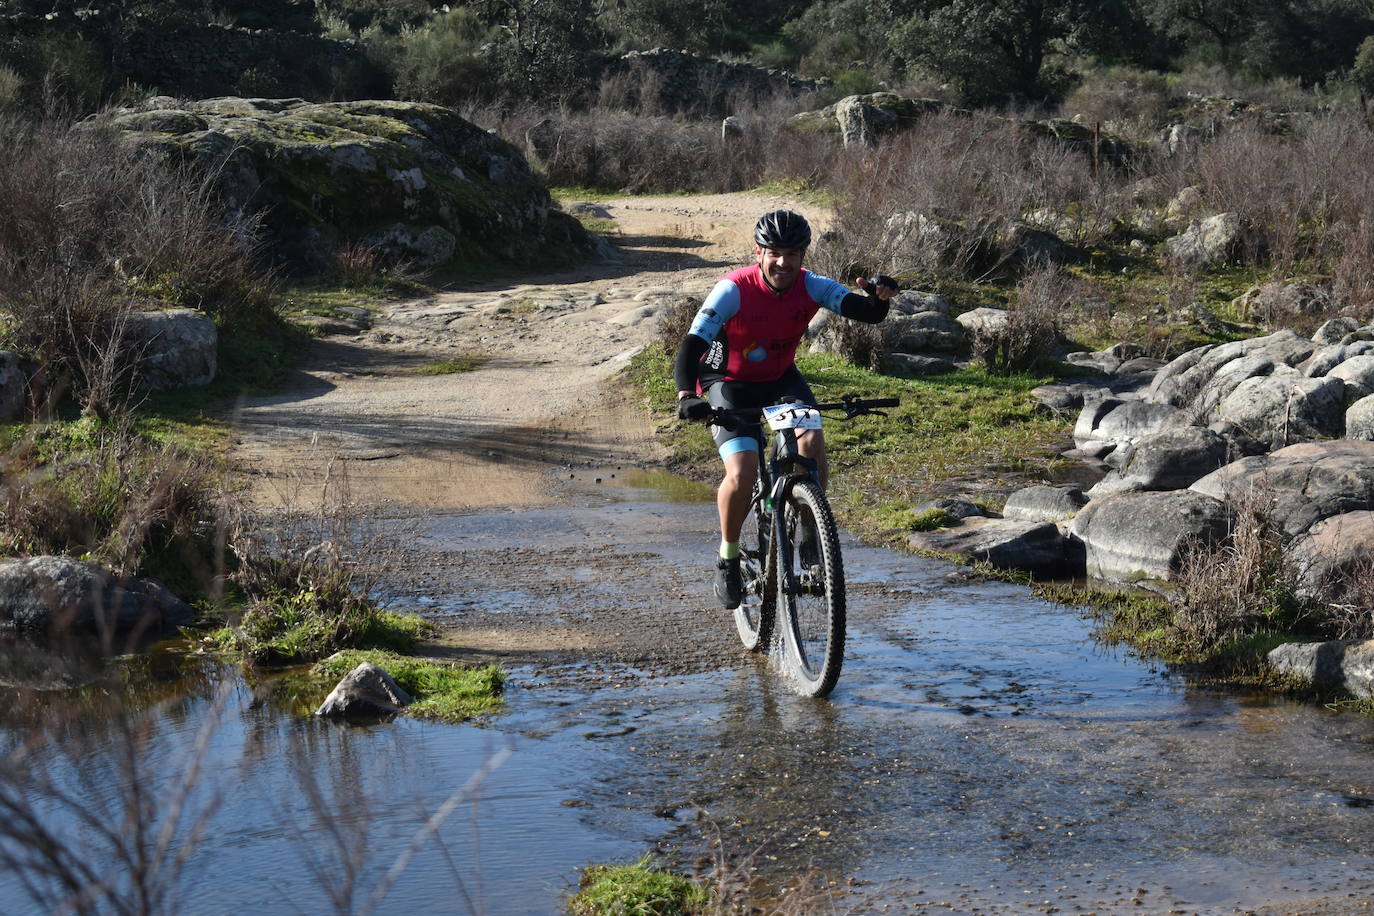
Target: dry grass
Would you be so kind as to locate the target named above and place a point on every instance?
(1244, 586)
(93, 231)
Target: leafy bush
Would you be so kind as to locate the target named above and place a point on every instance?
(445, 61)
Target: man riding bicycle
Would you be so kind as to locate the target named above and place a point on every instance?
(740, 352)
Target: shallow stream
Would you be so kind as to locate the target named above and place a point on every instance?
(982, 753)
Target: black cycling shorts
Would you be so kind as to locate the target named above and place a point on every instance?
(749, 436)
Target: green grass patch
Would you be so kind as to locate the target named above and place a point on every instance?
(291, 626)
(451, 366)
(446, 693)
(961, 431)
(252, 360)
(636, 890)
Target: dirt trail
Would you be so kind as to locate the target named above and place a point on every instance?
(546, 397)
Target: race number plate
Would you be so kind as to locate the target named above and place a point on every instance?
(792, 416)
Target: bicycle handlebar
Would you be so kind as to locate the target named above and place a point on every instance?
(852, 405)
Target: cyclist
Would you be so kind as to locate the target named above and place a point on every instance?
(740, 352)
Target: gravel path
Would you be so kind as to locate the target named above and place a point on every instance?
(547, 396)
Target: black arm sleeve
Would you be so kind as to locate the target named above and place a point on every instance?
(863, 307)
(687, 366)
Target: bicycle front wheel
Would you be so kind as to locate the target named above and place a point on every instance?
(810, 585)
(754, 616)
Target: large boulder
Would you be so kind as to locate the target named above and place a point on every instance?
(865, 117)
(324, 174)
(1359, 419)
(13, 387)
(177, 348)
(366, 692)
(1329, 356)
(924, 332)
(59, 595)
(1181, 382)
(1280, 410)
(1334, 330)
(1034, 547)
(1167, 460)
(1042, 503)
(1345, 664)
(1282, 301)
(1305, 483)
(1214, 240)
(1146, 535)
(1110, 423)
(1358, 374)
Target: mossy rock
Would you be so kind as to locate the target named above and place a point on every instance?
(322, 175)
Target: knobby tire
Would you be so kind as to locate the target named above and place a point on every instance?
(756, 613)
(811, 602)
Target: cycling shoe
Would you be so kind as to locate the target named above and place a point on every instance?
(729, 584)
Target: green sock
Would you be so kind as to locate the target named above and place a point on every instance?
(729, 550)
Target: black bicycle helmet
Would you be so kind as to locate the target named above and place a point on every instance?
(782, 229)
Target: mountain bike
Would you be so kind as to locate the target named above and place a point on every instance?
(790, 559)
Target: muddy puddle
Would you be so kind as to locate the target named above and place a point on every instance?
(982, 754)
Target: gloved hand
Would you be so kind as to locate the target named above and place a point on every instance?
(881, 280)
(693, 408)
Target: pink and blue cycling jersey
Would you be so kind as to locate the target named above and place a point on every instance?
(753, 332)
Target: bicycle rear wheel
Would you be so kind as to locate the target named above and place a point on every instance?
(755, 615)
(810, 580)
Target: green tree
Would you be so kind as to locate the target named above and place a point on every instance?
(1362, 71)
(548, 48)
(690, 25)
(445, 61)
(992, 50)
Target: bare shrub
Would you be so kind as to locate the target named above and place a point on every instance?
(116, 837)
(1301, 196)
(311, 576)
(1128, 102)
(1245, 585)
(92, 227)
(676, 320)
(1352, 615)
(1027, 338)
(106, 493)
(940, 198)
(856, 342)
(1352, 274)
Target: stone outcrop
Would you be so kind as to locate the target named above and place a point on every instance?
(176, 348)
(1167, 460)
(1036, 547)
(415, 180)
(1206, 242)
(1278, 410)
(862, 119)
(1346, 665)
(1044, 504)
(59, 595)
(1359, 419)
(1305, 483)
(366, 692)
(1131, 536)
(1111, 423)
(683, 82)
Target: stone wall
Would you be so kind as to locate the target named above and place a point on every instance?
(675, 81)
(199, 60)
